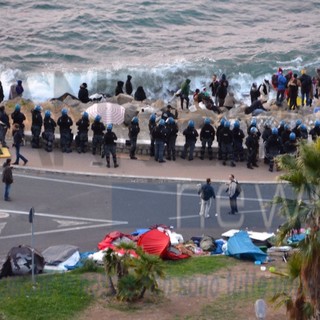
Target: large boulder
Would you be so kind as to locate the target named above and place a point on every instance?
(131, 111)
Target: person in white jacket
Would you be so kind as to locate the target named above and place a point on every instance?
(264, 90)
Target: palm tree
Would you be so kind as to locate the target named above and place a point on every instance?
(302, 172)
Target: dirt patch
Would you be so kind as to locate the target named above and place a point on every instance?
(186, 298)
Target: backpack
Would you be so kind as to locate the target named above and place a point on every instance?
(265, 91)
(274, 80)
(238, 189)
(207, 243)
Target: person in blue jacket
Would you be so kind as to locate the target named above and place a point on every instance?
(281, 87)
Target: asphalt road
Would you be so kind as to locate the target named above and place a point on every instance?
(81, 210)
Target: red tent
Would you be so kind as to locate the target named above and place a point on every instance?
(154, 242)
(158, 243)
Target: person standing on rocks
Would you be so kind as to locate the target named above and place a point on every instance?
(119, 88)
(83, 94)
(16, 90)
(134, 130)
(206, 193)
(7, 179)
(128, 85)
(1, 92)
(184, 93)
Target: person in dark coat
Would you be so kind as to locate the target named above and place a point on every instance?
(306, 88)
(1, 92)
(238, 136)
(128, 85)
(252, 143)
(152, 124)
(222, 92)
(226, 140)
(4, 126)
(36, 126)
(17, 142)
(83, 94)
(110, 146)
(7, 179)
(273, 147)
(119, 88)
(82, 136)
(172, 133)
(254, 93)
(140, 95)
(134, 130)
(16, 90)
(97, 140)
(191, 136)
(18, 117)
(66, 136)
(160, 137)
(206, 193)
(49, 127)
(315, 131)
(168, 113)
(207, 135)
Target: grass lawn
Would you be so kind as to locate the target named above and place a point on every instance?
(54, 297)
(198, 265)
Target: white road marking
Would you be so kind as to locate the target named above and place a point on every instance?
(216, 214)
(62, 230)
(4, 215)
(49, 215)
(69, 223)
(95, 185)
(2, 225)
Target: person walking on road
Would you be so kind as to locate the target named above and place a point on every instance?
(7, 179)
(233, 192)
(17, 142)
(206, 193)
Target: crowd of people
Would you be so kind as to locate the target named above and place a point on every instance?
(231, 139)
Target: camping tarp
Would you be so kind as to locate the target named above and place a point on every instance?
(19, 262)
(240, 246)
(55, 255)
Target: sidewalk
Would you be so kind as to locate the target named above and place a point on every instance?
(144, 167)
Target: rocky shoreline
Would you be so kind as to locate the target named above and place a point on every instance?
(143, 110)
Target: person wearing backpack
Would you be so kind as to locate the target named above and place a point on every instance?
(206, 193)
(234, 189)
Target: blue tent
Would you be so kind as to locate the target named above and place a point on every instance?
(240, 246)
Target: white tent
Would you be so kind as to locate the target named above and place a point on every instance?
(109, 112)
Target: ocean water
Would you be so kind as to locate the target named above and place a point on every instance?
(55, 46)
